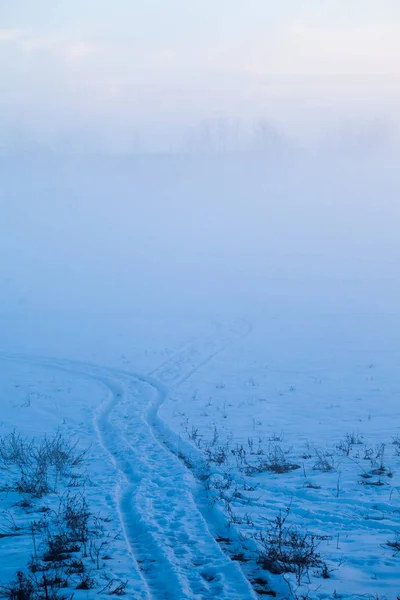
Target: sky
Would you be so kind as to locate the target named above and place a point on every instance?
(133, 74)
(134, 77)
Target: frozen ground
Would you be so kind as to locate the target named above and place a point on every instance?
(151, 415)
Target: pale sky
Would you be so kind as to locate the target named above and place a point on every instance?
(126, 68)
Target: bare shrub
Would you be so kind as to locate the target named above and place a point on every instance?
(86, 582)
(274, 461)
(377, 461)
(74, 515)
(324, 461)
(216, 454)
(115, 588)
(75, 567)
(63, 535)
(60, 452)
(394, 544)
(35, 463)
(15, 450)
(21, 588)
(354, 438)
(285, 549)
(344, 447)
(33, 480)
(25, 587)
(59, 548)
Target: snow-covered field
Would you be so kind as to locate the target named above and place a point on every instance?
(231, 370)
(325, 404)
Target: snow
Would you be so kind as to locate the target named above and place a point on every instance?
(134, 422)
(163, 529)
(295, 360)
(244, 395)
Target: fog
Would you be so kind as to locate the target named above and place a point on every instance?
(200, 289)
(167, 159)
(203, 233)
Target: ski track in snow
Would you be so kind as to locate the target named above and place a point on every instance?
(173, 552)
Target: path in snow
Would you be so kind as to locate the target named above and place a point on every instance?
(166, 534)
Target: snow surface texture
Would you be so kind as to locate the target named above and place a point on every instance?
(164, 531)
(144, 459)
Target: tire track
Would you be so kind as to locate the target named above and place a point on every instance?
(174, 555)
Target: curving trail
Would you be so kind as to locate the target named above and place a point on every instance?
(174, 555)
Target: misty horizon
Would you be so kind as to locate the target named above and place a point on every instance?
(199, 299)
